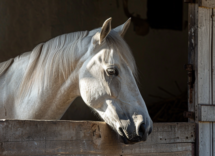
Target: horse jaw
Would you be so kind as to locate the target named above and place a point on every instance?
(115, 98)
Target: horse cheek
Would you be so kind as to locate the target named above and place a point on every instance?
(115, 88)
(85, 91)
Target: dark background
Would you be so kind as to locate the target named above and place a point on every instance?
(160, 53)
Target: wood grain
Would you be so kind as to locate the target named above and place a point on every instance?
(207, 3)
(204, 56)
(207, 113)
(28, 137)
(192, 53)
(205, 78)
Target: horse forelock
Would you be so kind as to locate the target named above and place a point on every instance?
(116, 42)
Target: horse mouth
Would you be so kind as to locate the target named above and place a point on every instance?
(125, 140)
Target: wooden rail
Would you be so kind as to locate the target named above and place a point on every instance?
(32, 137)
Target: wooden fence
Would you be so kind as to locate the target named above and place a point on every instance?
(32, 137)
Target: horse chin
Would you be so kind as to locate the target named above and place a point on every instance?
(125, 140)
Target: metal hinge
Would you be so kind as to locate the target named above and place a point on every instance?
(190, 115)
(191, 80)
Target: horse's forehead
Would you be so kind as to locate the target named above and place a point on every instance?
(108, 56)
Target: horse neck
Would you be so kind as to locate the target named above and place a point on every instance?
(52, 101)
(64, 94)
(49, 102)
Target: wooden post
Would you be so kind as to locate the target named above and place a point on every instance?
(205, 78)
(207, 3)
(192, 54)
(202, 56)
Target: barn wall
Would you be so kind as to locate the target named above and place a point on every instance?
(26, 23)
(160, 55)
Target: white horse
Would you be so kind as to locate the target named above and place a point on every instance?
(96, 65)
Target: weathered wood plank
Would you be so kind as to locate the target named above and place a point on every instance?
(213, 74)
(16, 130)
(204, 55)
(207, 3)
(192, 49)
(157, 148)
(87, 147)
(205, 139)
(18, 137)
(213, 139)
(205, 89)
(207, 113)
(186, 153)
(202, 42)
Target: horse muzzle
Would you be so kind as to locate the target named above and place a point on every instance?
(144, 132)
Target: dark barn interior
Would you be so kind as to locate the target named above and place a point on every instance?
(157, 37)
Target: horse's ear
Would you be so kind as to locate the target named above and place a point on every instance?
(105, 30)
(123, 28)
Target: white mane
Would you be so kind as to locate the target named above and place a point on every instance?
(59, 56)
(55, 56)
(5, 65)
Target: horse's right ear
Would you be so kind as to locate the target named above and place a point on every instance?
(105, 30)
(123, 28)
(99, 37)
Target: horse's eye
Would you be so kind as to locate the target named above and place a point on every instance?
(112, 71)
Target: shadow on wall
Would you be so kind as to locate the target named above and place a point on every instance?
(160, 15)
(80, 111)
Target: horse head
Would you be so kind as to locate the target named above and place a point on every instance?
(107, 84)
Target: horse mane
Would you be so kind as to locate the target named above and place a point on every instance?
(57, 58)
(5, 65)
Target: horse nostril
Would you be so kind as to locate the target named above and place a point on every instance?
(124, 138)
(142, 130)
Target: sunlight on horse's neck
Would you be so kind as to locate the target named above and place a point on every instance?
(52, 100)
(60, 95)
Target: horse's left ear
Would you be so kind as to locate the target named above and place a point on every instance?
(105, 30)
(123, 28)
